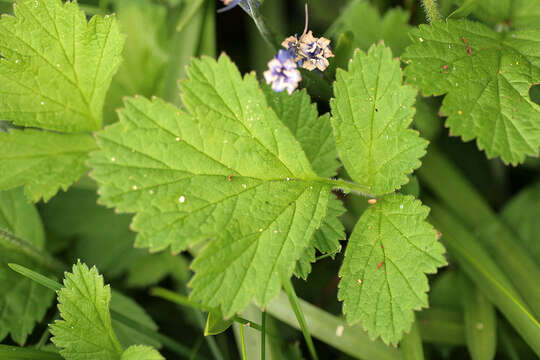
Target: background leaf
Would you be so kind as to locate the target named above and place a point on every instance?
(22, 302)
(495, 107)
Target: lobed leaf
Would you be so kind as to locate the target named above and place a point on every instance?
(371, 112)
(383, 275)
(86, 331)
(486, 76)
(227, 169)
(140, 352)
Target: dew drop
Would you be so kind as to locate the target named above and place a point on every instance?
(134, 187)
(401, 206)
(17, 61)
(288, 179)
(244, 186)
(421, 39)
(182, 199)
(113, 159)
(151, 192)
(43, 103)
(276, 231)
(177, 139)
(339, 330)
(260, 230)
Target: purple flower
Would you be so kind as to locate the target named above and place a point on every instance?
(283, 73)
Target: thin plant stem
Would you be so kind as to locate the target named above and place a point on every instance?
(432, 10)
(297, 309)
(253, 10)
(263, 335)
(242, 342)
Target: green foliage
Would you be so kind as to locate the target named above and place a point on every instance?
(382, 275)
(369, 27)
(263, 185)
(140, 352)
(42, 161)
(86, 330)
(371, 103)
(54, 73)
(521, 215)
(486, 76)
(22, 302)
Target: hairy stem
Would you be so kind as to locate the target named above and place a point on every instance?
(250, 6)
(432, 10)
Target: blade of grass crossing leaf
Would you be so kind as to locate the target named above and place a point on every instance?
(40, 279)
(450, 185)
(165, 340)
(18, 353)
(333, 330)
(480, 322)
(411, 344)
(297, 309)
(486, 274)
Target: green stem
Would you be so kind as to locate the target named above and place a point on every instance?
(263, 335)
(295, 305)
(242, 342)
(432, 11)
(180, 299)
(19, 353)
(347, 186)
(253, 10)
(333, 330)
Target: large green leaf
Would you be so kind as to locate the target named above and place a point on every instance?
(383, 275)
(55, 69)
(227, 169)
(22, 302)
(486, 76)
(56, 66)
(371, 112)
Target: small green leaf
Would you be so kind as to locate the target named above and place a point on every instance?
(86, 330)
(371, 112)
(140, 352)
(22, 301)
(383, 275)
(43, 162)
(56, 66)
(265, 203)
(495, 107)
